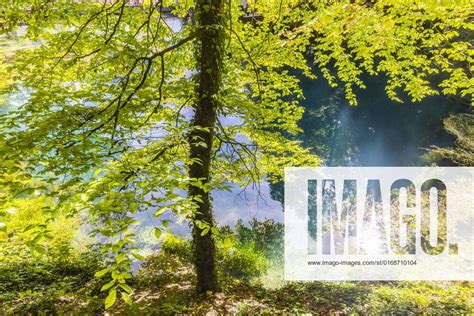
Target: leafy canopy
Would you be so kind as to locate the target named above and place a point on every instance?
(107, 93)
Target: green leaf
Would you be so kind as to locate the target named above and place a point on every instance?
(38, 249)
(126, 298)
(158, 233)
(138, 256)
(227, 242)
(3, 227)
(101, 273)
(120, 257)
(160, 211)
(127, 288)
(29, 227)
(111, 298)
(107, 286)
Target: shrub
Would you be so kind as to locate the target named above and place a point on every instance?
(243, 253)
(51, 277)
(173, 262)
(242, 262)
(180, 247)
(47, 286)
(267, 237)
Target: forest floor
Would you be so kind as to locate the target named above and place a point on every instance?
(161, 290)
(316, 298)
(252, 282)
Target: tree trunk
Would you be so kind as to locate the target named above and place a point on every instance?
(209, 59)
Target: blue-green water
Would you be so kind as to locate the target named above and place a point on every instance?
(377, 132)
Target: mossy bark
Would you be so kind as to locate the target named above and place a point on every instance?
(209, 51)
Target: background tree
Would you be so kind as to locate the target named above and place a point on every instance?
(462, 128)
(127, 108)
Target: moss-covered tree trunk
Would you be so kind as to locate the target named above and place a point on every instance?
(209, 58)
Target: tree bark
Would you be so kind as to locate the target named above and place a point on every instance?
(209, 53)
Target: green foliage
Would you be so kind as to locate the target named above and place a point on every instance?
(8, 44)
(420, 297)
(237, 260)
(177, 246)
(45, 266)
(164, 284)
(267, 236)
(47, 285)
(410, 42)
(102, 126)
(28, 233)
(172, 263)
(241, 262)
